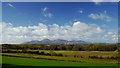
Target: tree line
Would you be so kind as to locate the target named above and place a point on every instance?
(70, 47)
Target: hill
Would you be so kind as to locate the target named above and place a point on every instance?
(57, 41)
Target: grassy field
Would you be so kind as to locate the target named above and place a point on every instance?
(83, 53)
(14, 60)
(34, 56)
(58, 58)
(17, 62)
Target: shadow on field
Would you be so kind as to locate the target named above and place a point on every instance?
(14, 66)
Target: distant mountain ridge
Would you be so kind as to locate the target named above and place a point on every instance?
(57, 41)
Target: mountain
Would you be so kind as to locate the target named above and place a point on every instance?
(57, 41)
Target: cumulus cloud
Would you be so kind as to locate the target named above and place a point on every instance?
(0, 27)
(77, 31)
(46, 13)
(10, 5)
(98, 2)
(101, 16)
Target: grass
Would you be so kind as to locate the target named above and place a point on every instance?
(83, 53)
(77, 59)
(34, 60)
(17, 61)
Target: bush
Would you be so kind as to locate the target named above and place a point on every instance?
(65, 55)
(42, 53)
(48, 54)
(24, 51)
(81, 56)
(53, 53)
(37, 52)
(93, 57)
(29, 52)
(19, 51)
(101, 57)
(74, 55)
(59, 54)
(114, 57)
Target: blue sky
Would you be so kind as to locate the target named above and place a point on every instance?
(104, 15)
(31, 13)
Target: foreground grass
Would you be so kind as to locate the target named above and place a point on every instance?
(58, 58)
(17, 61)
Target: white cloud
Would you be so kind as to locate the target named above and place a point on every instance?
(105, 0)
(45, 9)
(101, 16)
(77, 31)
(80, 11)
(46, 13)
(97, 2)
(0, 27)
(10, 5)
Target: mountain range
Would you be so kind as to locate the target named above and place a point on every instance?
(57, 41)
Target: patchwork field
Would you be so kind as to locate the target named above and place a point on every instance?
(83, 53)
(17, 62)
(36, 55)
(69, 56)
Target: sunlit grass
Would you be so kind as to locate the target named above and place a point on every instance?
(41, 62)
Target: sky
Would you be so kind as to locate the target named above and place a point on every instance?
(87, 21)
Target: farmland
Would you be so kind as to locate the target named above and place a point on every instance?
(63, 58)
(59, 57)
(8, 61)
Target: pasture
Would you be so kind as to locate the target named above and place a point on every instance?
(37, 55)
(17, 62)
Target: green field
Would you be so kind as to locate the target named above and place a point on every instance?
(18, 62)
(27, 56)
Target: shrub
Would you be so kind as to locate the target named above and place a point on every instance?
(65, 55)
(48, 54)
(29, 52)
(59, 54)
(101, 57)
(37, 52)
(114, 57)
(53, 53)
(93, 57)
(74, 55)
(81, 56)
(42, 53)
(19, 51)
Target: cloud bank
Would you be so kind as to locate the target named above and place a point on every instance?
(77, 31)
